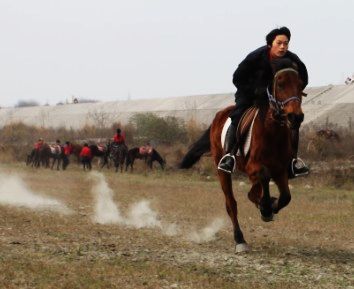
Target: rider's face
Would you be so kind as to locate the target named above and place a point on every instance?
(279, 46)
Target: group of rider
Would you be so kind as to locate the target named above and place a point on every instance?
(67, 150)
(86, 153)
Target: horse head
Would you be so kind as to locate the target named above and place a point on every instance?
(286, 96)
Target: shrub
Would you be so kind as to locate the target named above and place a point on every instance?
(167, 130)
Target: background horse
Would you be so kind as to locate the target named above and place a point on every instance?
(76, 149)
(39, 157)
(155, 156)
(134, 154)
(329, 134)
(118, 154)
(102, 152)
(270, 152)
(56, 154)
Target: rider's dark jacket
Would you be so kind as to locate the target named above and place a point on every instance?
(254, 73)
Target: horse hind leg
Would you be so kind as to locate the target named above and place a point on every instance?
(58, 164)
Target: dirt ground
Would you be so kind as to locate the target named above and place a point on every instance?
(309, 245)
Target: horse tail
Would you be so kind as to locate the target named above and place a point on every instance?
(200, 147)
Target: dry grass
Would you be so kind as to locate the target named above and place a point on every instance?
(309, 245)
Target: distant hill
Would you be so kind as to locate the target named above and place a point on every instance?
(332, 103)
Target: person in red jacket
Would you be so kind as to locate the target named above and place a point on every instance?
(86, 157)
(119, 137)
(38, 144)
(67, 151)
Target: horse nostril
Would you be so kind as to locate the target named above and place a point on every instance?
(301, 117)
(296, 119)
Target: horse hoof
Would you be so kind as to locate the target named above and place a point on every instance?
(243, 247)
(267, 218)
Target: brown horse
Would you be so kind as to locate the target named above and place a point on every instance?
(76, 149)
(270, 151)
(149, 158)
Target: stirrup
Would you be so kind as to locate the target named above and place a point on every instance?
(298, 163)
(221, 160)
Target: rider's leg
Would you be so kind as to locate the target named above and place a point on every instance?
(297, 166)
(228, 162)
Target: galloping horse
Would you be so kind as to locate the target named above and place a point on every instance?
(118, 154)
(270, 151)
(134, 154)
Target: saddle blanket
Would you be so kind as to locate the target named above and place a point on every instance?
(55, 149)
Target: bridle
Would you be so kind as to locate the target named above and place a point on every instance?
(276, 104)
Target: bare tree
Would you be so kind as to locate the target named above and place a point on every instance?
(100, 118)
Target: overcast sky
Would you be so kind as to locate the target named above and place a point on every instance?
(115, 49)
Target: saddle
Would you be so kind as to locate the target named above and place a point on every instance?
(243, 130)
(101, 148)
(145, 151)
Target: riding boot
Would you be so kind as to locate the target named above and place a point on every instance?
(228, 161)
(297, 166)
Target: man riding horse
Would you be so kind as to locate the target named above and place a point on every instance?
(119, 138)
(252, 78)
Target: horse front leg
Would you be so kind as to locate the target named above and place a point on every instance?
(284, 194)
(116, 165)
(266, 201)
(104, 162)
(260, 193)
(255, 194)
(231, 207)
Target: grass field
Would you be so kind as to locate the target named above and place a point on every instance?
(309, 245)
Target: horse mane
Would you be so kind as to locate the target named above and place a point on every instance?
(93, 148)
(134, 149)
(156, 156)
(282, 63)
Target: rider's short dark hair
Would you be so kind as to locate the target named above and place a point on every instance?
(275, 32)
(118, 130)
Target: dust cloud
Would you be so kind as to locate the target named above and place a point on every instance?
(106, 211)
(14, 192)
(208, 233)
(139, 215)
